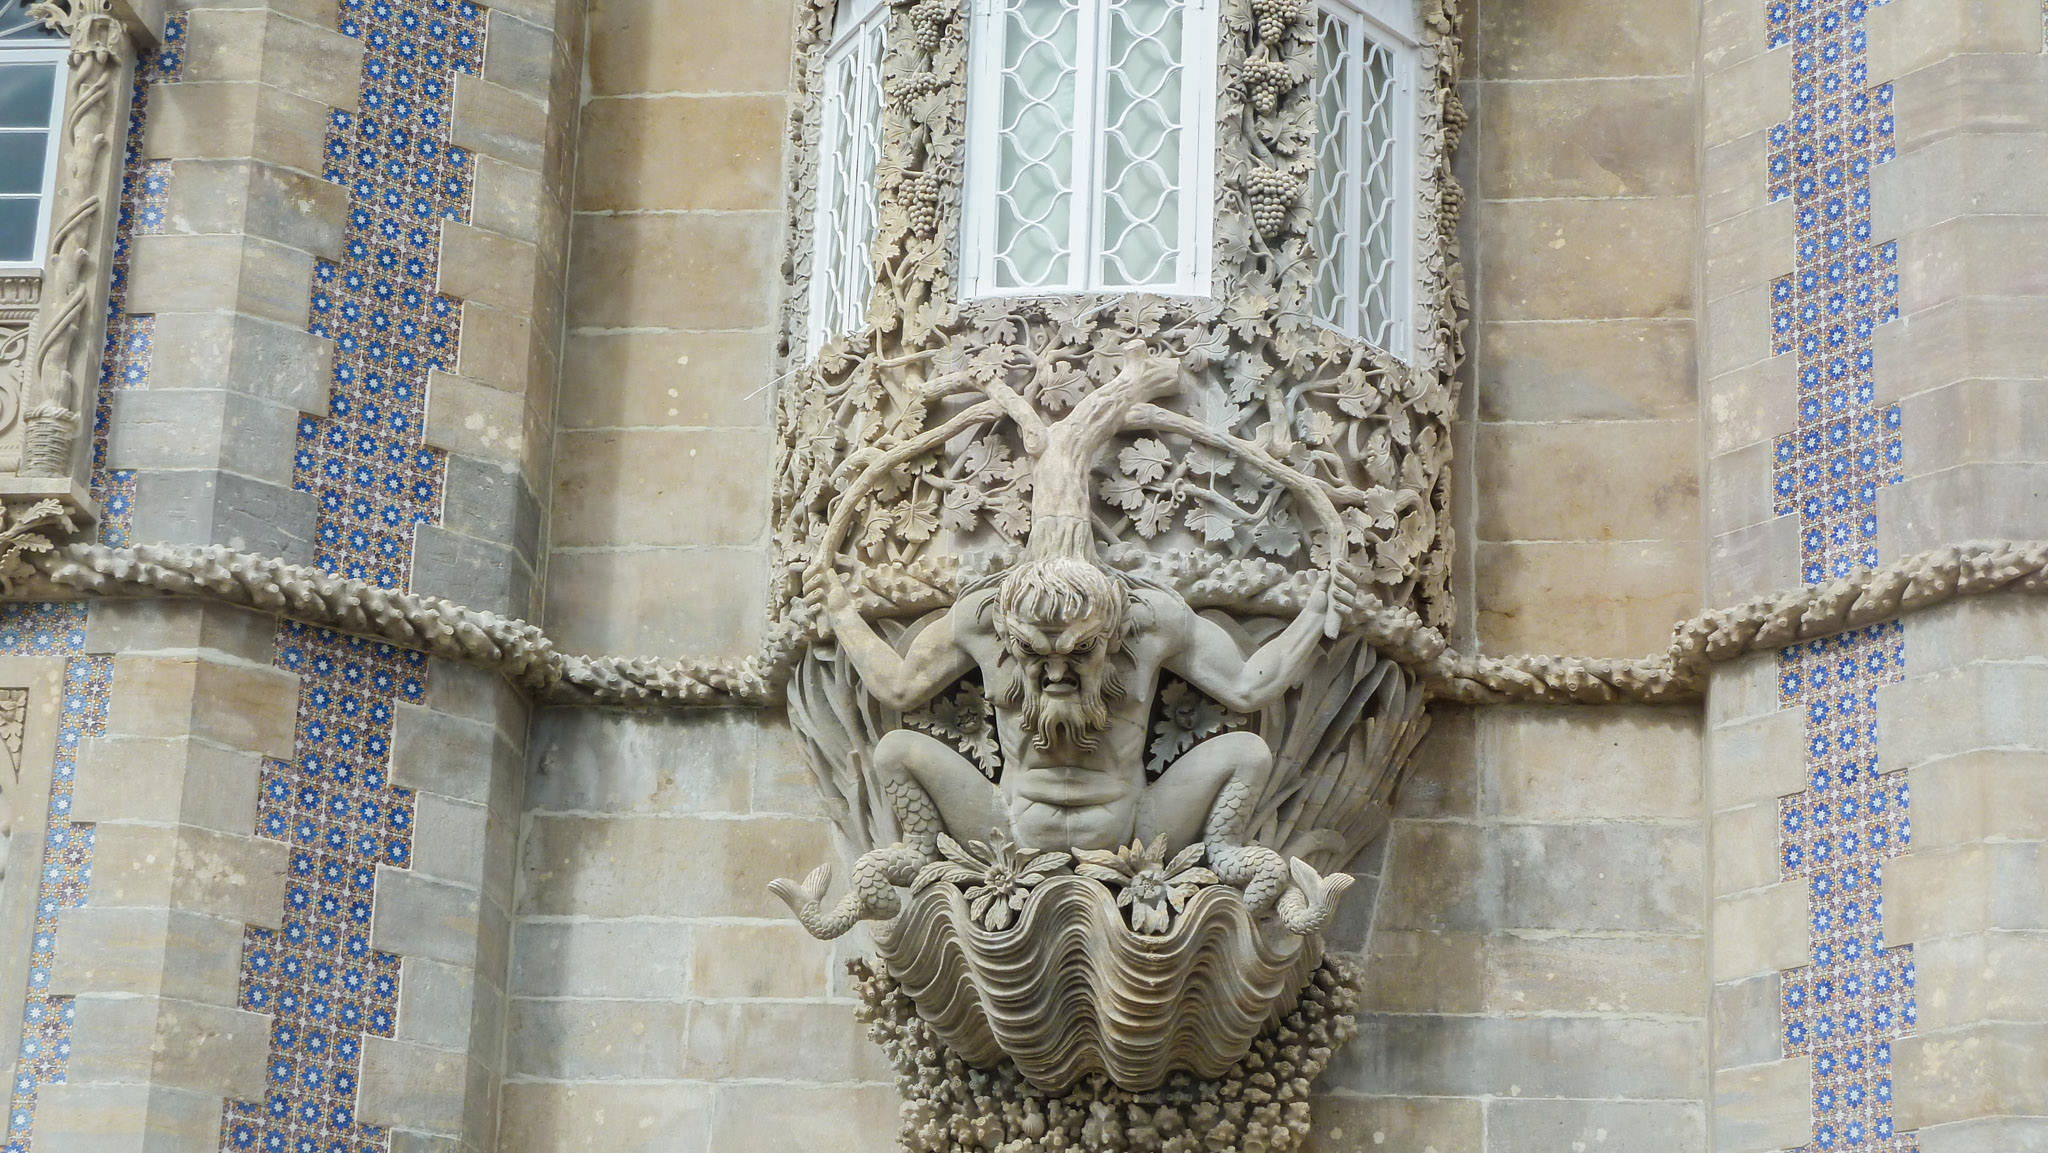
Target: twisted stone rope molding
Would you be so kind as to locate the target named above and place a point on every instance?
(526, 656)
(1921, 581)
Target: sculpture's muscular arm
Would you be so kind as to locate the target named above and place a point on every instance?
(1210, 660)
(900, 681)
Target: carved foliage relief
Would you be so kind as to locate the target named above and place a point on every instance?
(1368, 432)
(1089, 702)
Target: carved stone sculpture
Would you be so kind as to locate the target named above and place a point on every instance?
(1077, 585)
(1181, 906)
(18, 305)
(66, 339)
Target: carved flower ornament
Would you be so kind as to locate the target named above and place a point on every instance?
(996, 875)
(1149, 885)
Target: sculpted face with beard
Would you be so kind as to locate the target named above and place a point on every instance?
(1073, 740)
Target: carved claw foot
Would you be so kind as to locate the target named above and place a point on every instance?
(1310, 901)
(871, 893)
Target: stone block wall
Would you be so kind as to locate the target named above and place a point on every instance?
(1972, 897)
(665, 451)
(662, 998)
(1582, 196)
(1535, 963)
(1853, 418)
(1965, 360)
(1583, 930)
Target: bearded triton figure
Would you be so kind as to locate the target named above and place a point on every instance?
(1070, 652)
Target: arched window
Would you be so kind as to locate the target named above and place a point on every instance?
(1091, 130)
(849, 146)
(1363, 187)
(32, 76)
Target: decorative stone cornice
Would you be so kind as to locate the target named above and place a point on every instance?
(528, 658)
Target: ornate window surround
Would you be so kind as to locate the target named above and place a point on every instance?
(59, 350)
(1375, 426)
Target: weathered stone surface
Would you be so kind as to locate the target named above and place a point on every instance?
(1587, 370)
(1587, 138)
(719, 152)
(674, 866)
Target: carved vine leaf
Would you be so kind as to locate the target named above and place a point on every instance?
(1360, 424)
(26, 532)
(1185, 718)
(966, 720)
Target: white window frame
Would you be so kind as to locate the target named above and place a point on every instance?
(1200, 31)
(1391, 25)
(57, 53)
(840, 261)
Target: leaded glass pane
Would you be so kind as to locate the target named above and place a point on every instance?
(1360, 192)
(1034, 198)
(1380, 280)
(1142, 139)
(1336, 130)
(850, 142)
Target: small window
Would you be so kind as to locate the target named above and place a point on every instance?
(32, 74)
(849, 147)
(1090, 148)
(1363, 186)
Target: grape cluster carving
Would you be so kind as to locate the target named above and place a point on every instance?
(1372, 430)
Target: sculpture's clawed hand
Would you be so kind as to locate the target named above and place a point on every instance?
(1309, 902)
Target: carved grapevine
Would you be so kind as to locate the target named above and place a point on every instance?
(1369, 431)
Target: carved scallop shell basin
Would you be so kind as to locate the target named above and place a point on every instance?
(1069, 990)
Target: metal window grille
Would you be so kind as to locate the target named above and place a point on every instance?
(1363, 186)
(849, 147)
(33, 71)
(1090, 153)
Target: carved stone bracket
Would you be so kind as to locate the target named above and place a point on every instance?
(1104, 713)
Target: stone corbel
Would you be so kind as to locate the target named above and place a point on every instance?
(65, 343)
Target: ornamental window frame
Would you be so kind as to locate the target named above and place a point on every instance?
(843, 226)
(1193, 185)
(1388, 27)
(55, 53)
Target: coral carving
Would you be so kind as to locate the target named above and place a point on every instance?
(1260, 1103)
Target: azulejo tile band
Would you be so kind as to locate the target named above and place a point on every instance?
(376, 482)
(1845, 1009)
(54, 630)
(51, 630)
(145, 186)
(317, 974)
